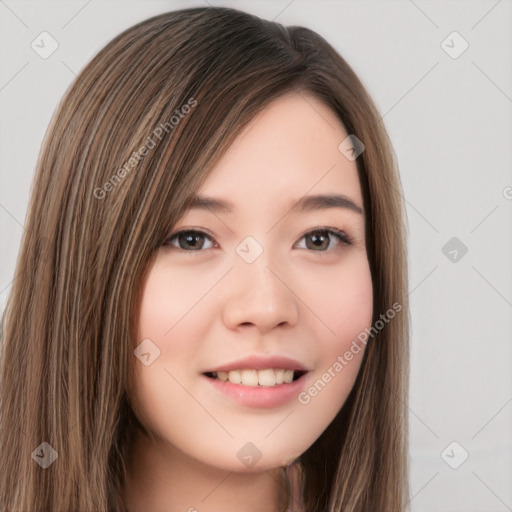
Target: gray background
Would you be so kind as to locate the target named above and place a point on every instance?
(450, 123)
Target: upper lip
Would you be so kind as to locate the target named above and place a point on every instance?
(260, 362)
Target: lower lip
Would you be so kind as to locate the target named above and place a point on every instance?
(260, 397)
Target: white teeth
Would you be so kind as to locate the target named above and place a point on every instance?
(234, 377)
(249, 377)
(288, 375)
(222, 375)
(267, 377)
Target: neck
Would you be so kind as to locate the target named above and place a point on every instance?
(161, 478)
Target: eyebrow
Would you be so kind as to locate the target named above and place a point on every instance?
(306, 203)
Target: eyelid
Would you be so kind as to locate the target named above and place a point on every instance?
(200, 231)
(346, 239)
(342, 237)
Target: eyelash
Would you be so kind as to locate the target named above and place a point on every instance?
(342, 237)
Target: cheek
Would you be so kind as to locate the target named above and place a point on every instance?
(165, 299)
(161, 334)
(341, 301)
(348, 309)
(344, 304)
(171, 310)
(350, 303)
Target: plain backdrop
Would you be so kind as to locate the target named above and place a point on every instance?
(447, 103)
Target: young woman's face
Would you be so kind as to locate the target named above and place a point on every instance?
(256, 282)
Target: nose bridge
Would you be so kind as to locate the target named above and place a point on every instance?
(257, 293)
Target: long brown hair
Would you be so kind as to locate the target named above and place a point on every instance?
(101, 205)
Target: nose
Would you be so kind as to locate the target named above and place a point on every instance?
(260, 296)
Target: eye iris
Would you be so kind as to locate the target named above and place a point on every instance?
(191, 240)
(319, 239)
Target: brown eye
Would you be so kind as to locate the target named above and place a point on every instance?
(319, 240)
(188, 240)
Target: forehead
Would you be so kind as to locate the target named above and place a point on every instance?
(288, 150)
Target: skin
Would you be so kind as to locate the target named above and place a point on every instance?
(295, 300)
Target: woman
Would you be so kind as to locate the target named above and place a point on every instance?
(174, 339)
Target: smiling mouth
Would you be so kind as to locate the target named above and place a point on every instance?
(250, 377)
